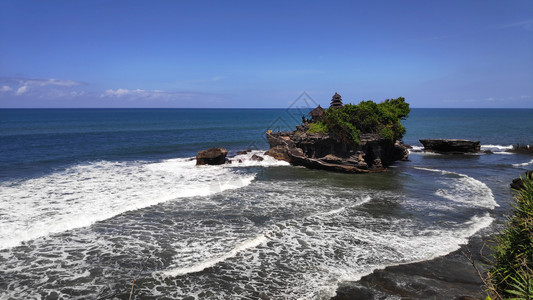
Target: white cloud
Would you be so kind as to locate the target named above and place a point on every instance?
(45, 88)
(126, 92)
(159, 95)
(50, 82)
(22, 90)
(55, 89)
(5, 88)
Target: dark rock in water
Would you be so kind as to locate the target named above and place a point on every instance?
(244, 151)
(357, 292)
(517, 183)
(450, 145)
(522, 149)
(322, 151)
(212, 156)
(279, 152)
(257, 157)
(488, 152)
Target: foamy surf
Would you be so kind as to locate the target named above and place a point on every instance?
(221, 244)
(416, 149)
(247, 244)
(84, 194)
(523, 164)
(465, 189)
(262, 160)
(496, 148)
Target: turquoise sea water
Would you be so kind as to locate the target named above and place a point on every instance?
(92, 198)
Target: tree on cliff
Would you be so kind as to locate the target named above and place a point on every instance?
(347, 123)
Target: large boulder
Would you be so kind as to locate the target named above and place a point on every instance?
(212, 156)
(450, 145)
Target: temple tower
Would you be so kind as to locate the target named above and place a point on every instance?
(336, 101)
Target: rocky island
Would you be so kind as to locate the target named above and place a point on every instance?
(347, 138)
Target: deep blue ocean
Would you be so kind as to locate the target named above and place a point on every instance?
(91, 199)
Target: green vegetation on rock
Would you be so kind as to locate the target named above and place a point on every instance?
(318, 127)
(350, 121)
(511, 275)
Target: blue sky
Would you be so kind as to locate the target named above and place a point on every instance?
(265, 53)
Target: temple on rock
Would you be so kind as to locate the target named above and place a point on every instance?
(317, 113)
(336, 101)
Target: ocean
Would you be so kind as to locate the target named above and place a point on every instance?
(92, 199)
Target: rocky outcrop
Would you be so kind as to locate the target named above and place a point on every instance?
(322, 151)
(212, 156)
(517, 183)
(450, 146)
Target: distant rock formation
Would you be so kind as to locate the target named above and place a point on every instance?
(212, 156)
(522, 149)
(450, 145)
(321, 151)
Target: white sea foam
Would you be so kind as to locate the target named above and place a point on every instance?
(465, 189)
(498, 149)
(195, 257)
(495, 148)
(247, 244)
(84, 194)
(419, 150)
(310, 242)
(523, 164)
(246, 160)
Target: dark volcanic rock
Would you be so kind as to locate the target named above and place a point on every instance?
(517, 183)
(321, 151)
(244, 151)
(212, 156)
(450, 145)
(278, 152)
(522, 149)
(257, 158)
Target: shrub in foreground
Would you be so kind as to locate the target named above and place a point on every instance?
(511, 275)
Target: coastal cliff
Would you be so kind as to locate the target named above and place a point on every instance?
(342, 143)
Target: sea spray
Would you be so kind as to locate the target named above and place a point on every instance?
(84, 194)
